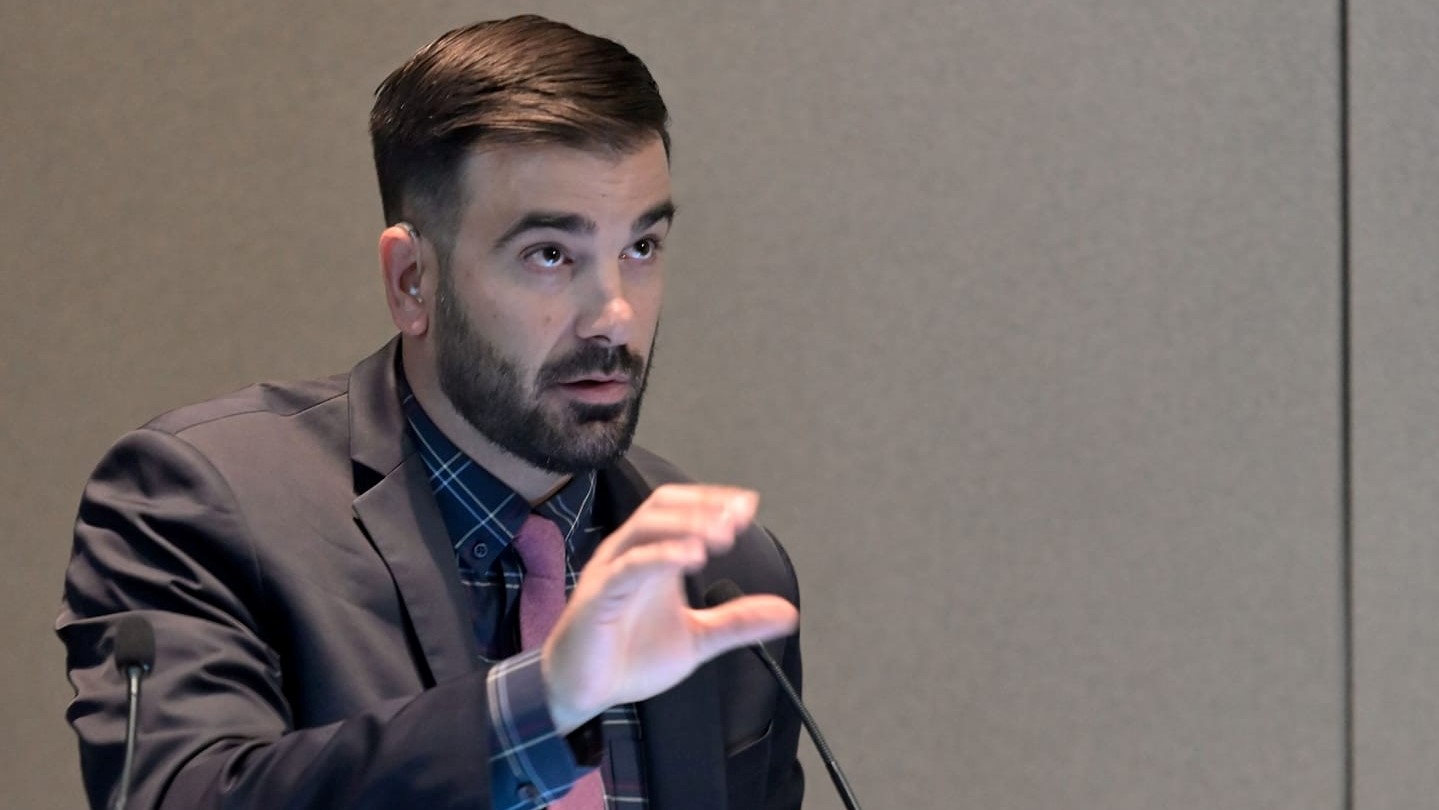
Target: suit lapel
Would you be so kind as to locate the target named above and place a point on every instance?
(683, 738)
(399, 514)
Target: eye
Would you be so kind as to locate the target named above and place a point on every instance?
(643, 250)
(546, 257)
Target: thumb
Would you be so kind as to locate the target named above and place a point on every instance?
(741, 622)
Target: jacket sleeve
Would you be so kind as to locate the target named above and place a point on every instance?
(159, 534)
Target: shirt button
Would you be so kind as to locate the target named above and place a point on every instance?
(529, 793)
(481, 550)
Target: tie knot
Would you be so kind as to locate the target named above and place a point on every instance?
(541, 547)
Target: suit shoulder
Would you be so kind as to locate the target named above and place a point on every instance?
(655, 470)
(280, 399)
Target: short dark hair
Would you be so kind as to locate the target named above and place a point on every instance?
(524, 80)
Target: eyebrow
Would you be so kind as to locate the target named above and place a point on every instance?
(547, 220)
(664, 212)
(577, 224)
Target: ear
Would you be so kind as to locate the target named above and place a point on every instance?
(404, 266)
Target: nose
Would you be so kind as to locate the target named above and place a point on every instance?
(606, 315)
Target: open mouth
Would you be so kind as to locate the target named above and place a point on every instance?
(597, 389)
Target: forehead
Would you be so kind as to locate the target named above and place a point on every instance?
(505, 183)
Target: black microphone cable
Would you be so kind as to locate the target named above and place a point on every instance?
(724, 591)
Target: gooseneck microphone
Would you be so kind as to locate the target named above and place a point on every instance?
(724, 591)
(134, 656)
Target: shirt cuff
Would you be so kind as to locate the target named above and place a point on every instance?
(531, 765)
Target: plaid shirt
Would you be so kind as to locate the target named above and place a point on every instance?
(531, 764)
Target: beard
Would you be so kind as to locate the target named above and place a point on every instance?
(487, 389)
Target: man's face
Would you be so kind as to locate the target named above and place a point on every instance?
(546, 314)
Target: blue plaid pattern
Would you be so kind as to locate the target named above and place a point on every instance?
(531, 764)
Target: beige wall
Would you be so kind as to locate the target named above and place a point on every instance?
(1396, 404)
(1023, 314)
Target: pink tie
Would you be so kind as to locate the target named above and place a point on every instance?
(542, 599)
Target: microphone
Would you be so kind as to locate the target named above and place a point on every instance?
(134, 656)
(724, 591)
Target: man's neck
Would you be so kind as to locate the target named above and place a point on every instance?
(533, 484)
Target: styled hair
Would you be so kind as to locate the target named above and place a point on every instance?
(521, 81)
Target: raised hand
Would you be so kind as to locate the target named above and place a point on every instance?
(627, 632)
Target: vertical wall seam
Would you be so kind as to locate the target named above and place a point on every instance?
(1346, 420)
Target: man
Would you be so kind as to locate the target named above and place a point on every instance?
(356, 583)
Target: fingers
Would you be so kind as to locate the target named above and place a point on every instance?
(638, 565)
(710, 513)
(741, 622)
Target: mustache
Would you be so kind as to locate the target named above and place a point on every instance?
(592, 358)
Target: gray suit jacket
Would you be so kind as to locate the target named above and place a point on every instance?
(311, 633)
